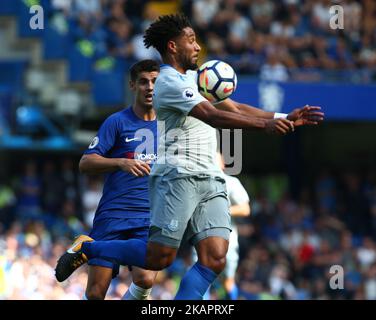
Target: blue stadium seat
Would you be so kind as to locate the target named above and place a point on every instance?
(6, 97)
(12, 72)
(108, 87)
(9, 7)
(55, 43)
(80, 64)
(108, 81)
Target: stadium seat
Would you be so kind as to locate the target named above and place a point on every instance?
(55, 42)
(6, 97)
(80, 61)
(108, 87)
(12, 72)
(8, 7)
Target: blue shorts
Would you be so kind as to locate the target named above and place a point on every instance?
(118, 229)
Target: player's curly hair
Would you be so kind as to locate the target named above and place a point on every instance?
(164, 29)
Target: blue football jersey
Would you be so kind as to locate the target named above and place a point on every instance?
(124, 135)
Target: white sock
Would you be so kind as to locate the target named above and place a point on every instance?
(135, 292)
(84, 297)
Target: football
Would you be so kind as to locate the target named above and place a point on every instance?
(216, 80)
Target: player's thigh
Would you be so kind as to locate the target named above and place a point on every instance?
(211, 219)
(99, 279)
(172, 203)
(143, 278)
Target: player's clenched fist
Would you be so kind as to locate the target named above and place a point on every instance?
(136, 167)
(279, 126)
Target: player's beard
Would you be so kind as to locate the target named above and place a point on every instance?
(188, 64)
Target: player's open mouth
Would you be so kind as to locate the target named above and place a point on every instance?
(149, 97)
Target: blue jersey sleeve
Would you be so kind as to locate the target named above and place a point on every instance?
(105, 139)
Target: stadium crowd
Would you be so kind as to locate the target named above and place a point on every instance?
(287, 246)
(277, 40)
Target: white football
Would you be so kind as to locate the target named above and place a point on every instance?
(216, 80)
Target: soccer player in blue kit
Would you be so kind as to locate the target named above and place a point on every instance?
(186, 186)
(124, 148)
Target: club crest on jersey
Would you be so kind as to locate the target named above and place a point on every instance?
(188, 93)
(94, 143)
(173, 226)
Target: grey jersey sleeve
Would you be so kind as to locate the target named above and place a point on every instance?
(180, 94)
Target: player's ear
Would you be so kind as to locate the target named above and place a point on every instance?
(171, 46)
(132, 85)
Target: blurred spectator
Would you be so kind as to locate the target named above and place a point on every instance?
(29, 193)
(286, 248)
(69, 178)
(273, 69)
(7, 203)
(203, 13)
(262, 13)
(52, 188)
(370, 283)
(238, 31)
(90, 199)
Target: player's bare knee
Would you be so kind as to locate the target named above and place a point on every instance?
(95, 293)
(217, 264)
(145, 281)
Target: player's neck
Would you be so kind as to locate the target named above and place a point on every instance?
(173, 63)
(143, 113)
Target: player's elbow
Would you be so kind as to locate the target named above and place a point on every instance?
(83, 165)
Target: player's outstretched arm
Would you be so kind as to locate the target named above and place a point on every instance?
(96, 164)
(307, 115)
(216, 118)
(245, 109)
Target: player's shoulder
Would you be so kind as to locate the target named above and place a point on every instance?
(115, 119)
(169, 76)
(119, 115)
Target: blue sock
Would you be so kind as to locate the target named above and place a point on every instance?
(195, 283)
(125, 252)
(234, 293)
